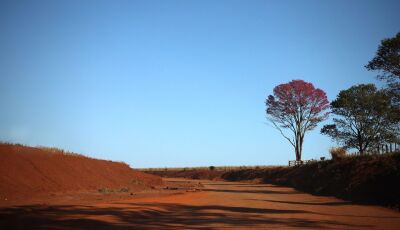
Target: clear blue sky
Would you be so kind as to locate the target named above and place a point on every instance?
(176, 83)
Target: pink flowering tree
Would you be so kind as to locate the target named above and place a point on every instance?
(296, 107)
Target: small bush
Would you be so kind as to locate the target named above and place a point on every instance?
(136, 182)
(105, 190)
(124, 190)
(338, 153)
(212, 168)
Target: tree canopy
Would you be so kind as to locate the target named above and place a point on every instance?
(365, 118)
(387, 62)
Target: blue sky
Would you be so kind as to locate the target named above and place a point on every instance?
(176, 83)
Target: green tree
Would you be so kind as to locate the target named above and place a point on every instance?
(365, 118)
(387, 62)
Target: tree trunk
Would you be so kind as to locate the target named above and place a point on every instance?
(298, 158)
(296, 149)
(299, 146)
(361, 149)
(360, 143)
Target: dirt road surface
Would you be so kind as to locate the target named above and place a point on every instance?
(220, 205)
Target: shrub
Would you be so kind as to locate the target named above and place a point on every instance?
(124, 190)
(212, 168)
(136, 182)
(105, 190)
(337, 153)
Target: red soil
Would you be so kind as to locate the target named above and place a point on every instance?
(27, 172)
(215, 205)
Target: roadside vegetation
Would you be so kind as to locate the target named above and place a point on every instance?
(361, 178)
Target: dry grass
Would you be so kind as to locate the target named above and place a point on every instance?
(338, 153)
(60, 151)
(47, 149)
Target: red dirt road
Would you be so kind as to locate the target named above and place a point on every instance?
(219, 205)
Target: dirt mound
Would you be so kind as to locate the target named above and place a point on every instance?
(27, 171)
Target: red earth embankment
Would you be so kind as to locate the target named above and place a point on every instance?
(28, 171)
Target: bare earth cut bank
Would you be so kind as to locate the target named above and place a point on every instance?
(372, 179)
(27, 173)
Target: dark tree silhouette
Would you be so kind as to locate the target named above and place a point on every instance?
(297, 106)
(387, 62)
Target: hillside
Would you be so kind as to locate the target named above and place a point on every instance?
(28, 171)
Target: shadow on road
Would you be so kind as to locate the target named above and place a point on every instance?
(252, 191)
(154, 216)
(335, 203)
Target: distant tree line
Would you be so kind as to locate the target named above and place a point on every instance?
(365, 118)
